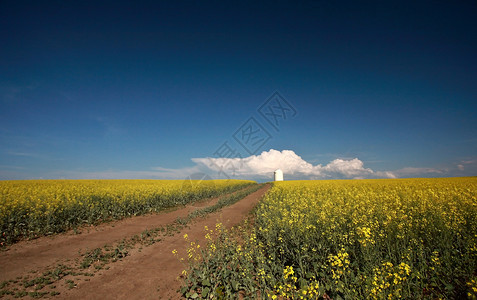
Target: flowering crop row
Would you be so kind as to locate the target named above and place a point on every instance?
(353, 239)
(33, 208)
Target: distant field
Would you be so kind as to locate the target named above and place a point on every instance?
(32, 208)
(353, 239)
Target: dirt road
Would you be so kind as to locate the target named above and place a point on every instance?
(145, 273)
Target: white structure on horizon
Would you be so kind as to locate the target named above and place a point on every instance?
(278, 174)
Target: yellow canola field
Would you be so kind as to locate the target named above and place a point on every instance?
(411, 238)
(30, 208)
(347, 239)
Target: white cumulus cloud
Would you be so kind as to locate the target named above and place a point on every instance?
(292, 165)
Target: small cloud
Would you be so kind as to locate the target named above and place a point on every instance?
(385, 174)
(353, 168)
(417, 172)
(109, 126)
(3, 167)
(466, 168)
(11, 93)
(153, 173)
(176, 173)
(24, 154)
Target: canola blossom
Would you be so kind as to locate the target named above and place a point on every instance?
(352, 239)
(31, 208)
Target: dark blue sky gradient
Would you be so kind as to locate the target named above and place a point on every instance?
(93, 86)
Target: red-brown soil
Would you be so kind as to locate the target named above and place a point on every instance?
(148, 273)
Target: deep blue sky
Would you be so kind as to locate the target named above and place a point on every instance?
(118, 89)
